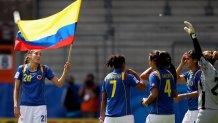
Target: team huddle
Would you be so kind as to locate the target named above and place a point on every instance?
(201, 81)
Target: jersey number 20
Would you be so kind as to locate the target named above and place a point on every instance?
(167, 88)
(27, 78)
(114, 83)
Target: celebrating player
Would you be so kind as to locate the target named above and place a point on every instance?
(30, 77)
(208, 86)
(162, 88)
(115, 104)
(192, 78)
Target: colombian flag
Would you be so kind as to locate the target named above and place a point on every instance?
(48, 33)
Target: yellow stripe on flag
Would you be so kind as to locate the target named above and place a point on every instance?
(37, 29)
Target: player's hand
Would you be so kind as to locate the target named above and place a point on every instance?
(101, 121)
(184, 57)
(179, 98)
(67, 66)
(143, 101)
(189, 28)
(17, 112)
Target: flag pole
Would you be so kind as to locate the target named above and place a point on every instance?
(16, 16)
(70, 52)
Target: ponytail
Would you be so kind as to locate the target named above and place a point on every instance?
(27, 58)
(173, 71)
(115, 61)
(163, 60)
(110, 62)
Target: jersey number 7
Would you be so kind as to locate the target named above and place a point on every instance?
(114, 83)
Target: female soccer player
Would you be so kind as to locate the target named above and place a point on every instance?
(30, 77)
(115, 104)
(208, 86)
(162, 88)
(191, 78)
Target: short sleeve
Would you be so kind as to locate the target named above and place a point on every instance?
(18, 75)
(153, 80)
(49, 73)
(133, 81)
(206, 66)
(103, 89)
(184, 75)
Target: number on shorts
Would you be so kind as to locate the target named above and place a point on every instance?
(43, 118)
(167, 88)
(114, 83)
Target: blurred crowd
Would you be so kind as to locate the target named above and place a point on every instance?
(81, 100)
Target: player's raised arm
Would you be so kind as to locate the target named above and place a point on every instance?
(191, 31)
(205, 57)
(139, 85)
(146, 73)
(181, 79)
(60, 81)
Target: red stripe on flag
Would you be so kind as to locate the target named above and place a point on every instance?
(21, 45)
(64, 42)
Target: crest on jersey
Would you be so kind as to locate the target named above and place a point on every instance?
(191, 83)
(152, 84)
(39, 77)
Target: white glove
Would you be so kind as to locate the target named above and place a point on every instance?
(189, 28)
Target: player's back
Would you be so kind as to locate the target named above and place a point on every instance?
(117, 88)
(166, 85)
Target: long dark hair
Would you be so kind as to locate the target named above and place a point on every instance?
(116, 61)
(168, 63)
(163, 60)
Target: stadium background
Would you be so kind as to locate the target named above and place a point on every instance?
(129, 27)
